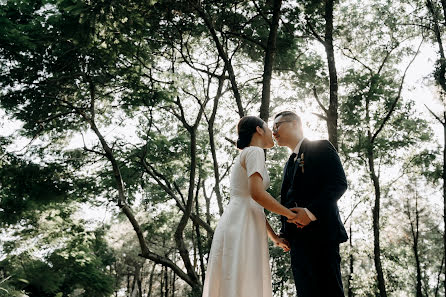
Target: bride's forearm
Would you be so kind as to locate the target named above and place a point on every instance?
(271, 234)
(267, 201)
(262, 197)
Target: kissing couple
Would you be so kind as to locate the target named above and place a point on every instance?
(313, 181)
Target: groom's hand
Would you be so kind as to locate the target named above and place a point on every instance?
(301, 219)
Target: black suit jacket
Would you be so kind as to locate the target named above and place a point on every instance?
(317, 185)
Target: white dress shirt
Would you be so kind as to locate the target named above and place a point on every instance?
(296, 151)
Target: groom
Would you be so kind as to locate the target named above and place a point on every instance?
(313, 182)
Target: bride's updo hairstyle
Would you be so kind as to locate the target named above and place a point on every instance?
(246, 127)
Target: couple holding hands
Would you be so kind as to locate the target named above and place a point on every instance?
(313, 181)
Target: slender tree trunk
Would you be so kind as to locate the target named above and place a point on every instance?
(212, 143)
(116, 278)
(194, 245)
(162, 281)
(332, 113)
(351, 266)
(199, 241)
(440, 73)
(440, 77)
(136, 283)
(122, 199)
(173, 278)
(417, 262)
(179, 240)
(376, 224)
(270, 55)
(417, 255)
(414, 228)
(222, 53)
(166, 283)
(179, 232)
(444, 196)
(138, 280)
(440, 271)
(208, 204)
(152, 273)
(376, 208)
(128, 285)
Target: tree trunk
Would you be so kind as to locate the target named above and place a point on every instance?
(194, 249)
(414, 228)
(179, 240)
(212, 144)
(332, 113)
(444, 195)
(351, 266)
(199, 241)
(128, 285)
(270, 54)
(437, 287)
(222, 53)
(140, 287)
(417, 262)
(162, 281)
(122, 199)
(376, 225)
(173, 284)
(166, 283)
(441, 70)
(152, 272)
(116, 278)
(136, 283)
(208, 204)
(441, 80)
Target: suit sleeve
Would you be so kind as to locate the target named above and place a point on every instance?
(283, 219)
(334, 182)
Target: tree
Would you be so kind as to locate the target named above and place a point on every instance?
(374, 105)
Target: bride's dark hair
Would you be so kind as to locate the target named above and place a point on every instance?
(246, 127)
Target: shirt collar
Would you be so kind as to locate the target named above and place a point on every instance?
(297, 148)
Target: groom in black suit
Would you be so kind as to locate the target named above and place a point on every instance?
(313, 182)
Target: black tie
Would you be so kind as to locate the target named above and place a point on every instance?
(290, 167)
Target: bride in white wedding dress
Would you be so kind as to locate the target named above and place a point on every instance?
(238, 264)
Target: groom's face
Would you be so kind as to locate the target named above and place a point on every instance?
(283, 129)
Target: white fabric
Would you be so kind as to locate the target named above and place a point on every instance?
(296, 151)
(238, 264)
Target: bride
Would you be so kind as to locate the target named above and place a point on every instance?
(238, 264)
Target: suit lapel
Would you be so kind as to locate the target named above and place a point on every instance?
(302, 150)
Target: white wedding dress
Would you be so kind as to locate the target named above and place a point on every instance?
(238, 264)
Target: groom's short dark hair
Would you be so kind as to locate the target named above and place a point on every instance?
(289, 116)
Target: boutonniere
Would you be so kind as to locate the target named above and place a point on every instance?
(300, 161)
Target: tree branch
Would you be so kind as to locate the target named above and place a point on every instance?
(318, 101)
(387, 117)
(437, 117)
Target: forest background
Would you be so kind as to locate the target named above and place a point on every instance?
(118, 125)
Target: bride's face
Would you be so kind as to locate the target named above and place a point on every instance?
(267, 137)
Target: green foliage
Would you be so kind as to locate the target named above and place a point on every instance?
(144, 64)
(80, 264)
(27, 187)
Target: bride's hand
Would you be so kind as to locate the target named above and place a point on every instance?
(283, 244)
(294, 218)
